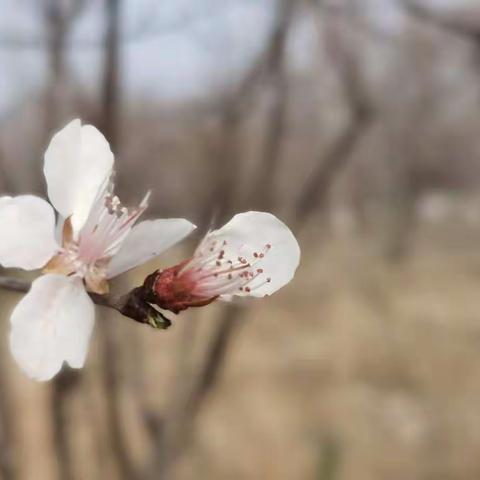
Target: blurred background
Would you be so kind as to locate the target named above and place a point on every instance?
(357, 123)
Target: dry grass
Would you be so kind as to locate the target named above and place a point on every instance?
(360, 370)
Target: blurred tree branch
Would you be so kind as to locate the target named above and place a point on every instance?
(6, 181)
(233, 108)
(189, 397)
(63, 386)
(457, 25)
(111, 81)
(466, 25)
(276, 72)
(354, 18)
(59, 17)
(110, 122)
(149, 26)
(8, 464)
(330, 163)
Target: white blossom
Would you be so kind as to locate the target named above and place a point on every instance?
(97, 240)
(253, 255)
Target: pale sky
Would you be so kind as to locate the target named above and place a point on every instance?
(174, 49)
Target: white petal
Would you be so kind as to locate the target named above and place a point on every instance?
(250, 232)
(52, 324)
(78, 161)
(146, 241)
(27, 238)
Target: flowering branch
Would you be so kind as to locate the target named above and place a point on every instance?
(131, 305)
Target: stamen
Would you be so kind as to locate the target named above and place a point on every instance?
(214, 273)
(107, 226)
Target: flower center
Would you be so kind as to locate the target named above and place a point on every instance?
(89, 253)
(106, 228)
(216, 270)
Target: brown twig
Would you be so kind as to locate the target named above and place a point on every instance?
(130, 305)
(23, 286)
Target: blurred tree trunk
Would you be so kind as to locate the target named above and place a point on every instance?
(59, 16)
(64, 385)
(7, 440)
(110, 343)
(57, 28)
(405, 179)
(7, 185)
(57, 20)
(110, 114)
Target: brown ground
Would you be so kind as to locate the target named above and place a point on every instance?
(359, 370)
